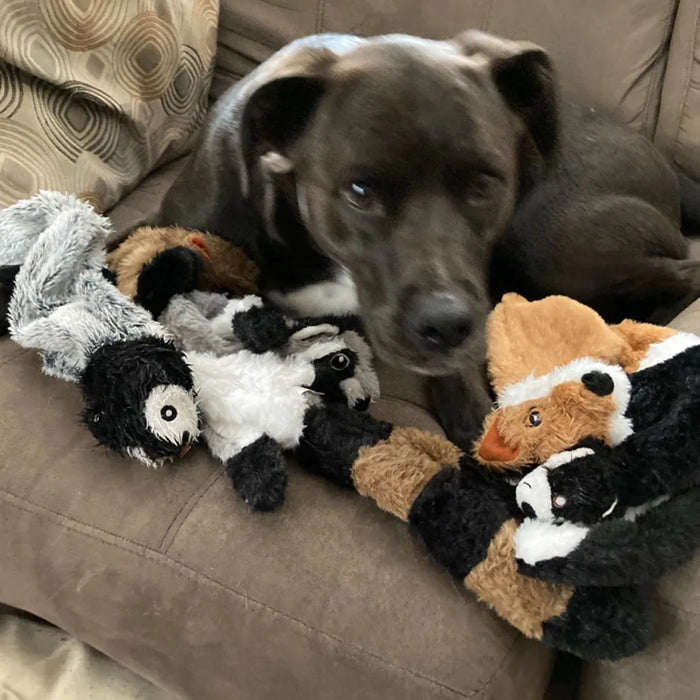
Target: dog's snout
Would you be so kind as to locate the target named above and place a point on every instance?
(441, 321)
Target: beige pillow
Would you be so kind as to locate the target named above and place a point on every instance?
(96, 93)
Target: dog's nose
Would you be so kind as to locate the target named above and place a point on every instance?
(441, 321)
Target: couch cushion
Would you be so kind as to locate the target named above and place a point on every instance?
(678, 130)
(584, 38)
(170, 574)
(94, 95)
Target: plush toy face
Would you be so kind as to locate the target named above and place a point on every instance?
(541, 416)
(140, 401)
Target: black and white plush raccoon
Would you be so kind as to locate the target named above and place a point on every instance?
(257, 375)
(137, 389)
(627, 513)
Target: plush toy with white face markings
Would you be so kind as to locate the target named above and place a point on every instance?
(257, 375)
(634, 502)
(138, 391)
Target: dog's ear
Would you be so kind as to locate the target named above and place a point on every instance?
(277, 105)
(524, 75)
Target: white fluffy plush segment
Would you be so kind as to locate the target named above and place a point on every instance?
(532, 388)
(245, 395)
(668, 348)
(171, 396)
(538, 540)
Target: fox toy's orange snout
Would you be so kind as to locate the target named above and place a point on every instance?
(493, 448)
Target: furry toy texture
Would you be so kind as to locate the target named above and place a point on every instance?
(175, 261)
(468, 518)
(137, 388)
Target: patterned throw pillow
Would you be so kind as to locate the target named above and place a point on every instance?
(94, 94)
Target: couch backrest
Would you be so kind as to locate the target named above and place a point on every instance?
(610, 53)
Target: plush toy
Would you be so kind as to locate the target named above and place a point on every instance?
(137, 389)
(560, 375)
(254, 399)
(152, 260)
(467, 517)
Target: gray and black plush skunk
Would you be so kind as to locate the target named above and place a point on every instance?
(137, 388)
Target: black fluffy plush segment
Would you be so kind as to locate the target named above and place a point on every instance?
(173, 271)
(261, 328)
(333, 436)
(661, 457)
(457, 515)
(623, 552)
(601, 624)
(115, 385)
(7, 283)
(259, 474)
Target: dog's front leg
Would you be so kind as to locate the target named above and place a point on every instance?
(461, 402)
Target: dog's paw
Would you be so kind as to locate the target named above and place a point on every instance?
(261, 329)
(174, 271)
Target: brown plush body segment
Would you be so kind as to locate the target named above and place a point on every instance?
(395, 471)
(525, 602)
(226, 268)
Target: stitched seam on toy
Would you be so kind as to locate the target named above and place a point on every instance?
(187, 508)
(187, 573)
(686, 89)
(17, 354)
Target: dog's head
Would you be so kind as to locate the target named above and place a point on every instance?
(403, 158)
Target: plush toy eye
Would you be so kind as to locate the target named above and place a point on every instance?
(340, 361)
(96, 417)
(559, 501)
(534, 418)
(363, 198)
(168, 413)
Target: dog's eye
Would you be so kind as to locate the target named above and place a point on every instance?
(534, 419)
(360, 196)
(480, 186)
(339, 361)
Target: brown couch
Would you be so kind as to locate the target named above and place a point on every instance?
(169, 574)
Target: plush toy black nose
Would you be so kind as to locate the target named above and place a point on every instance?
(362, 404)
(599, 383)
(441, 321)
(528, 510)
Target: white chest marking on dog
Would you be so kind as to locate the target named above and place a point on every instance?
(337, 296)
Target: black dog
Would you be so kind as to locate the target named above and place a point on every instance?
(395, 173)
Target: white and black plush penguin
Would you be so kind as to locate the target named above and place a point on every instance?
(630, 512)
(258, 374)
(138, 391)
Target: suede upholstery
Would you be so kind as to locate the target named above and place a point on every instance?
(171, 575)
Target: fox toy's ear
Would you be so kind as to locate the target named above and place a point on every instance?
(524, 75)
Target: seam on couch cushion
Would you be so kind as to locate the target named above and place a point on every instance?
(683, 103)
(677, 608)
(186, 572)
(180, 517)
(14, 356)
(656, 76)
(320, 15)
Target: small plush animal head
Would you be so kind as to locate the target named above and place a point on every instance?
(541, 416)
(342, 360)
(140, 401)
(569, 487)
